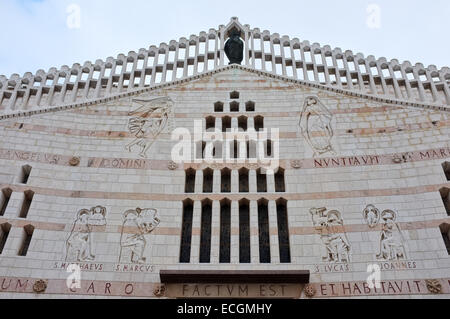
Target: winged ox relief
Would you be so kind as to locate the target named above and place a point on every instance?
(147, 122)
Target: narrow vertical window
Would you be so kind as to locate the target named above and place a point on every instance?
(200, 150)
(190, 181)
(4, 200)
(261, 181)
(218, 107)
(446, 167)
(259, 123)
(28, 235)
(269, 145)
(264, 234)
(280, 186)
(226, 124)
(205, 235)
(210, 123)
(28, 199)
(445, 194)
(251, 149)
(243, 180)
(203, 150)
(283, 231)
(218, 150)
(4, 233)
(243, 123)
(445, 230)
(186, 232)
(208, 176)
(25, 174)
(225, 231)
(225, 181)
(235, 149)
(244, 231)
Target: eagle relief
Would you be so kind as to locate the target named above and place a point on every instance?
(148, 121)
(392, 241)
(316, 126)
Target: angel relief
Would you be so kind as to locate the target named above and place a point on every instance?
(148, 122)
(316, 126)
(79, 245)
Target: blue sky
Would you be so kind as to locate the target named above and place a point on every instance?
(35, 34)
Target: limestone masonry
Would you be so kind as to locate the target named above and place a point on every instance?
(305, 172)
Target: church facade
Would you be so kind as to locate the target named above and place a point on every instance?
(302, 172)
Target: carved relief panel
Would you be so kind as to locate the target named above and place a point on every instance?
(332, 234)
(391, 240)
(148, 121)
(316, 124)
(79, 245)
(137, 223)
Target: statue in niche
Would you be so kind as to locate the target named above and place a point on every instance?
(234, 48)
(148, 121)
(132, 246)
(79, 243)
(330, 225)
(316, 126)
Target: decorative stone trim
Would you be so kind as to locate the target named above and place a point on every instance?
(310, 291)
(160, 291)
(296, 164)
(40, 286)
(172, 166)
(74, 161)
(424, 105)
(434, 286)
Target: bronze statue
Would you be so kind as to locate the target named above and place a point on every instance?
(234, 48)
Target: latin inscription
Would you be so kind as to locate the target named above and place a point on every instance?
(332, 268)
(347, 161)
(93, 267)
(134, 289)
(394, 287)
(234, 291)
(120, 163)
(30, 156)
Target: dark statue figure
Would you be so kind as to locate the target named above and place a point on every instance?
(234, 48)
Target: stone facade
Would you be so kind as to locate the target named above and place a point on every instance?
(366, 183)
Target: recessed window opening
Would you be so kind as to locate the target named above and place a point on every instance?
(26, 241)
(28, 199)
